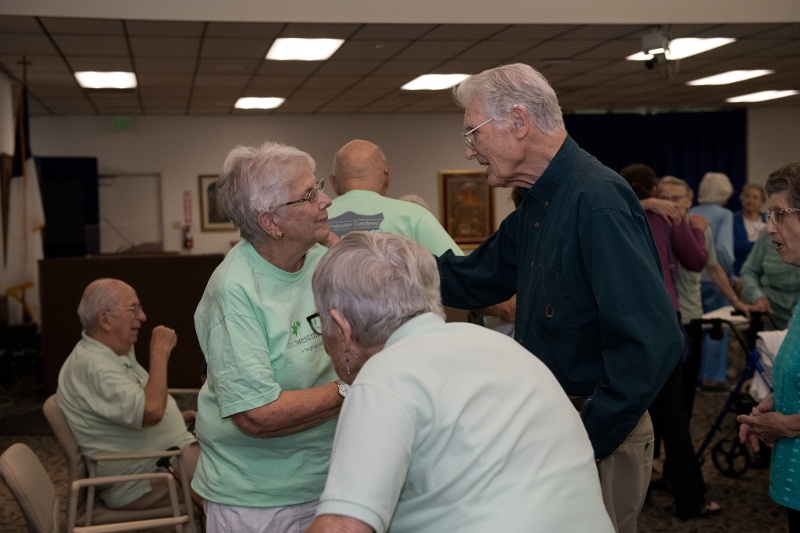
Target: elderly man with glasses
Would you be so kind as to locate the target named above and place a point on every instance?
(112, 404)
(579, 254)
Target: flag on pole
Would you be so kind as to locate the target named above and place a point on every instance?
(25, 222)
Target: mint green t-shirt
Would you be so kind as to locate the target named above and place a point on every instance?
(252, 328)
(359, 210)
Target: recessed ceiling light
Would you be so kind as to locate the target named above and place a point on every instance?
(258, 103)
(434, 82)
(761, 96)
(685, 47)
(732, 76)
(286, 49)
(106, 80)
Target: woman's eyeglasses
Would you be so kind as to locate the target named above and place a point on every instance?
(310, 197)
(777, 214)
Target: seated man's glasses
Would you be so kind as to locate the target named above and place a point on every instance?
(777, 214)
(135, 308)
(310, 197)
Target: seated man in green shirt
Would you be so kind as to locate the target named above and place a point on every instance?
(112, 404)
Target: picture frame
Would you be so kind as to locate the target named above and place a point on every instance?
(212, 218)
(467, 206)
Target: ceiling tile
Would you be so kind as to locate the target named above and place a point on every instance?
(13, 24)
(26, 44)
(91, 45)
(380, 50)
(500, 51)
(352, 67)
(166, 65)
(436, 50)
(235, 48)
(320, 31)
(154, 46)
(392, 32)
(241, 30)
(82, 26)
(102, 64)
(164, 28)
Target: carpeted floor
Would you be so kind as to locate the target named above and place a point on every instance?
(746, 507)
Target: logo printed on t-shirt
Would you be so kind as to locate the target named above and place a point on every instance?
(349, 221)
(295, 327)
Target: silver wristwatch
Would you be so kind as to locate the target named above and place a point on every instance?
(343, 388)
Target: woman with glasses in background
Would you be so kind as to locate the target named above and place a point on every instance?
(776, 420)
(267, 412)
(768, 283)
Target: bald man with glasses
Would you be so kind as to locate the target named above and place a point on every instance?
(112, 404)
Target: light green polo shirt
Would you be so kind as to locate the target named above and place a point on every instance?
(252, 328)
(689, 295)
(359, 210)
(454, 427)
(102, 396)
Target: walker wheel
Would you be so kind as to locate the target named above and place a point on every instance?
(730, 457)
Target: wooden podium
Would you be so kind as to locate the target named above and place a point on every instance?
(169, 287)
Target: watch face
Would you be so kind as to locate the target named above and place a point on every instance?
(343, 388)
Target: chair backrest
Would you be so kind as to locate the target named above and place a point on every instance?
(32, 488)
(76, 467)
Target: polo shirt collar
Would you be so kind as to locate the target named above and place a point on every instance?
(98, 347)
(416, 326)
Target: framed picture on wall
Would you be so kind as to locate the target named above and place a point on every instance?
(467, 206)
(212, 218)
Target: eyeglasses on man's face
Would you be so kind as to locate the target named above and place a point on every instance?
(310, 197)
(469, 136)
(315, 322)
(135, 308)
(776, 215)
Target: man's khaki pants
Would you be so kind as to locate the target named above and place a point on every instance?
(625, 476)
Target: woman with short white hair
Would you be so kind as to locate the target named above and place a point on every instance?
(267, 410)
(446, 427)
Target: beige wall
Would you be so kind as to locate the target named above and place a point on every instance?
(182, 148)
(773, 139)
(418, 147)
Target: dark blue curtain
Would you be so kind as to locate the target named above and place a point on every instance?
(684, 145)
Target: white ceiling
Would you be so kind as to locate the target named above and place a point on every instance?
(201, 68)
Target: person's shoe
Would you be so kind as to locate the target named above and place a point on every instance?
(707, 510)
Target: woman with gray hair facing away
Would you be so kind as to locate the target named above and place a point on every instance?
(447, 427)
(267, 410)
(714, 191)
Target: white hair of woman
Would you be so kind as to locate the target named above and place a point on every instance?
(500, 89)
(255, 180)
(714, 188)
(377, 281)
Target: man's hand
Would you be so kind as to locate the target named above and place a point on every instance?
(189, 418)
(162, 341)
(698, 222)
(665, 208)
(505, 311)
